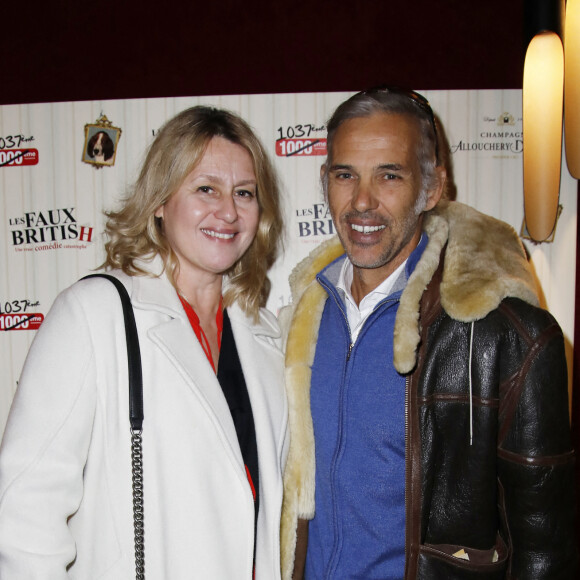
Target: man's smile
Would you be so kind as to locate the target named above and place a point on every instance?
(366, 229)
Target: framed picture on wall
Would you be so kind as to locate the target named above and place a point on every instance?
(101, 140)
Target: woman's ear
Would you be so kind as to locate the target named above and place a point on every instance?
(159, 212)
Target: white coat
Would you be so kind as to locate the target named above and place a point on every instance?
(65, 474)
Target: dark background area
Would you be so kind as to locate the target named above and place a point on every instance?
(71, 50)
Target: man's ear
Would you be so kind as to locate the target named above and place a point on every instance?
(323, 175)
(434, 195)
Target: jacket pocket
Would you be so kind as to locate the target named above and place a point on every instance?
(455, 562)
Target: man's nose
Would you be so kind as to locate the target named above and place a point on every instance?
(364, 197)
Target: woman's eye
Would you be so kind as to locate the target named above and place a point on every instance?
(205, 189)
(245, 193)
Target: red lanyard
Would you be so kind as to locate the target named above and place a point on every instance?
(194, 321)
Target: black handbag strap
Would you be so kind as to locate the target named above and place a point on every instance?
(135, 419)
(133, 354)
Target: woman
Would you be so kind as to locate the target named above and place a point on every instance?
(192, 244)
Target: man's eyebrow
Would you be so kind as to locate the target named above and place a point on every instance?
(390, 167)
(381, 167)
(340, 167)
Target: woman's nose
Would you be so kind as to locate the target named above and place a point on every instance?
(227, 210)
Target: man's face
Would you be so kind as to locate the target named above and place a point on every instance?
(374, 182)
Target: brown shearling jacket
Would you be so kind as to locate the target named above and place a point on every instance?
(489, 463)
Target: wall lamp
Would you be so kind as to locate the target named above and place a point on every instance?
(551, 86)
(572, 87)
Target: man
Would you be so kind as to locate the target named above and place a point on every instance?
(427, 392)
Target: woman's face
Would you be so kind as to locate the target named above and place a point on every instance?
(211, 220)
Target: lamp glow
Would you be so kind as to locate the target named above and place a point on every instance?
(542, 108)
(572, 87)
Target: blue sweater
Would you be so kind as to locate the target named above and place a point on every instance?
(358, 410)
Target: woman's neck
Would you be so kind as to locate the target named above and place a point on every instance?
(205, 300)
(204, 295)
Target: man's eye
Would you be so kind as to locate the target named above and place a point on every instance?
(389, 176)
(343, 175)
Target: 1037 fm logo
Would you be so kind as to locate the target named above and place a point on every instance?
(18, 157)
(16, 315)
(11, 153)
(300, 140)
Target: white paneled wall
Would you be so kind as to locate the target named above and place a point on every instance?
(483, 129)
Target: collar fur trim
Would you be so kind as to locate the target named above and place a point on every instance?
(485, 262)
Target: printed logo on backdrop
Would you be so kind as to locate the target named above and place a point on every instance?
(46, 230)
(500, 136)
(314, 223)
(19, 315)
(14, 151)
(101, 140)
(301, 141)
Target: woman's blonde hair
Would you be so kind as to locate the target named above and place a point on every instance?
(135, 233)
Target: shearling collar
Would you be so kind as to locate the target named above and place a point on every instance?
(485, 262)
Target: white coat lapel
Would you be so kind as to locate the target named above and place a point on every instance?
(176, 339)
(262, 364)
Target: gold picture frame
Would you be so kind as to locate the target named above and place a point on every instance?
(101, 140)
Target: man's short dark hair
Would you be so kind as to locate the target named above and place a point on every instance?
(390, 101)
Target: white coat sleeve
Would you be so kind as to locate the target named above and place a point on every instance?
(45, 446)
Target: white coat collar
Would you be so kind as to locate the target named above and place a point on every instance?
(156, 292)
(173, 335)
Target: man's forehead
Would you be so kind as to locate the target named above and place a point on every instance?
(378, 123)
(383, 136)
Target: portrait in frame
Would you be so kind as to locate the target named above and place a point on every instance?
(101, 140)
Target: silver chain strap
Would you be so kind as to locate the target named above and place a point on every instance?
(135, 419)
(138, 511)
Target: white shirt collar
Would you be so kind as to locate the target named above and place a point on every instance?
(357, 315)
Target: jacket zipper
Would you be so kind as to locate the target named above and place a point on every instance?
(408, 468)
(351, 346)
(338, 302)
(412, 475)
(331, 292)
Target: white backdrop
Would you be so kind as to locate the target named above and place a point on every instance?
(46, 188)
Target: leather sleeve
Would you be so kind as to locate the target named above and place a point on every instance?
(535, 457)
(301, 546)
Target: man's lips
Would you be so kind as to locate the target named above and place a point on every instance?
(366, 229)
(219, 235)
